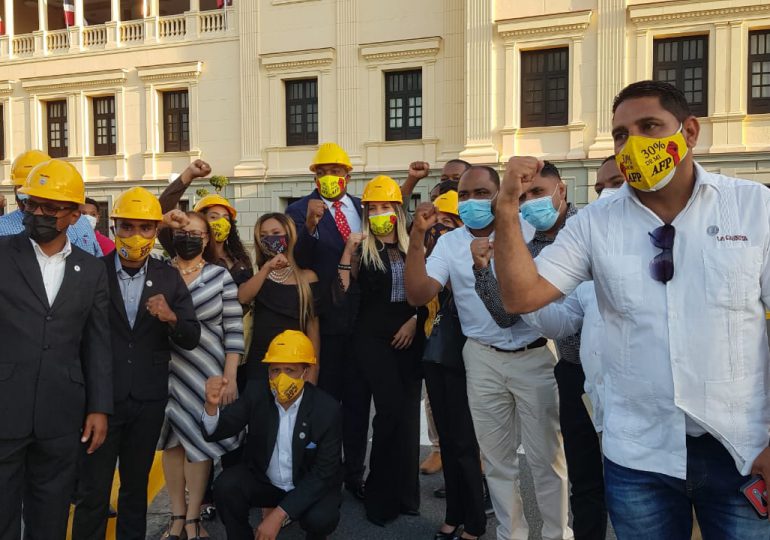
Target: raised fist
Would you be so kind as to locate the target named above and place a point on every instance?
(176, 219)
(519, 174)
(419, 169)
(215, 387)
(482, 250)
(425, 216)
(315, 211)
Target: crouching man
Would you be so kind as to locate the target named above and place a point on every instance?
(292, 460)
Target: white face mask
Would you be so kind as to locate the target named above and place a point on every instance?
(608, 192)
(91, 220)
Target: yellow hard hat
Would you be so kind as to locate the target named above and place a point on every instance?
(24, 163)
(447, 202)
(55, 180)
(215, 200)
(331, 154)
(382, 189)
(290, 347)
(137, 203)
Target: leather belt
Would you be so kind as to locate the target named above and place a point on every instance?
(539, 342)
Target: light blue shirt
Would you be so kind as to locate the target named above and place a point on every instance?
(80, 234)
(131, 288)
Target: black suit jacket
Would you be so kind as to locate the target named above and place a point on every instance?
(55, 361)
(316, 447)
(322, 255)
(141, 354)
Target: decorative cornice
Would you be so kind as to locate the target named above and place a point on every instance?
(90, 79)
(297, 60)
(170, 72)
(559, 24)
(664, 12)
(6, 87)
(394, 50)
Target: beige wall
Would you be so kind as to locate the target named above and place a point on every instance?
(469, 52)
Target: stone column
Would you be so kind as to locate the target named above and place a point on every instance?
(611, 60)
(348, 136)
(251, 163)
(481, 86)
(42, 15)
(450, 110)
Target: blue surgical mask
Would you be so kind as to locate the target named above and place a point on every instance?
(476, 213)
(540, 213)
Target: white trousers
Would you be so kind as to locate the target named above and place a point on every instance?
(498, 384)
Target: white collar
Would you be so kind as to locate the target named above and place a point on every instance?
(64, 253)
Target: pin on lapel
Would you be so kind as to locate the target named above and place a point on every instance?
(76, 268)
(302, 435)
(149, 283)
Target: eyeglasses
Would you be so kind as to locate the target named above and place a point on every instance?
(662, 265)
(191, 234)
(50, 210)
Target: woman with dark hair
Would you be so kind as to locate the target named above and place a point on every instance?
(387, 345)
(225, 242)
(282, 295)
(187, 457)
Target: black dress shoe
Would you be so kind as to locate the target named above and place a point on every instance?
(358, 490)
(440, 493)
(410, 512)
(375, 520)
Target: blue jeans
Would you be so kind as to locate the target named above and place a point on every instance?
(652, 506)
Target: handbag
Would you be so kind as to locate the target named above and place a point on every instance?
(446, 341)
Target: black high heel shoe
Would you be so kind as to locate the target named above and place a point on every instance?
(197, 523)
(447, 536)
(168, 536)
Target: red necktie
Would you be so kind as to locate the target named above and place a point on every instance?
(342, 222)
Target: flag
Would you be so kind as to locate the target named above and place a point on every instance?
(2, 27)
(223, 3)
(69, 13)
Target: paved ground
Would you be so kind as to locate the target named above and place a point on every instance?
(354, 525)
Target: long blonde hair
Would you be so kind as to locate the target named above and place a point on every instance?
(306, 311)
(371, 246)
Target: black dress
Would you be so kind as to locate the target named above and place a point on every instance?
(275, 309)
(394, 377)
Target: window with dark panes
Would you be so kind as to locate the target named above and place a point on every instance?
(105, 132)
(544, 87)
(56, 116)
(403, 105)
(176, 121)
(759, 72)
(302, 112)
(683, 62)
(103, 226)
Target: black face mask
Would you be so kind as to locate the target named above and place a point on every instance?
(42, 229)
(188, 247)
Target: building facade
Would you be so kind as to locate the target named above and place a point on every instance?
(131, 90)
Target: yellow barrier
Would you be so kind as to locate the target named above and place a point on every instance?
(155, 484)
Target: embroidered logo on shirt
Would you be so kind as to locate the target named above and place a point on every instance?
(732, 238)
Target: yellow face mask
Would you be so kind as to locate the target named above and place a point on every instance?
(134, 248)
(650, 164)
(330, 186)
(383, 224)
(220, 228)
(286, 388)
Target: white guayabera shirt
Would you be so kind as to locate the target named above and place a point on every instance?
(688, 356)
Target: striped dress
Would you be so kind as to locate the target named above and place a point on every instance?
(215, 297)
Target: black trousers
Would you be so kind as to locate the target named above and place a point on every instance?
(341, 376)
(238, 489)
(133, 434)
(40, 473)
(583, 453)
(396, 381)
(459, 448)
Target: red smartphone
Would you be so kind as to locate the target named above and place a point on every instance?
(755, 491)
